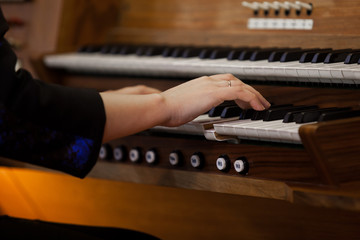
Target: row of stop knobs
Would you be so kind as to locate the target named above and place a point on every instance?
(176, 158)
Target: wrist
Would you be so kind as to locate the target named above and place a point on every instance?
(163, 112)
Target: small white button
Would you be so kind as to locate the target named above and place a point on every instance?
(134, 155)
(105, 152)
(150, 156)
(196, 160)
(241, 165)
(102, 153)
(221, 163)
(174, 158)
(119, 153)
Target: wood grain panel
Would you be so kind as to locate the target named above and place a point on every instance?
(201, 22)
(86, 21)
(225, 23)
(336, 147)
(265, 162)
(171, 213)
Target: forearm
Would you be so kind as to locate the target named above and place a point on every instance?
(129, 114)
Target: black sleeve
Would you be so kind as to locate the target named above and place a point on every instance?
(46, 124)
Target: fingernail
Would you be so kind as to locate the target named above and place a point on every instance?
(260, 108)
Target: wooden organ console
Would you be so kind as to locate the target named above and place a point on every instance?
(303, 186)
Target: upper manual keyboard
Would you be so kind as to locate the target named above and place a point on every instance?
(265, 64)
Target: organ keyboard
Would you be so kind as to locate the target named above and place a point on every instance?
(304, 151)
(278, 124)
(325, 66)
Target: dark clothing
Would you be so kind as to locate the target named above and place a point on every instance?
(52, 126)
(45, 124)
(15, 228)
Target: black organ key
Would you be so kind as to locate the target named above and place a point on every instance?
(192, 52)
(115, 49)
(352, 58)
(178, 52)
(235, 54)
(338, 115)
(295, 55)
(308, 56)
(262, 54)
(90, 48)
(220, 53)
(127, 49)
(259, 115)
(338, 56)
(275, 56)
(154, 51)
(215, 52)
(232, 111)
(290, 116)
(321, 56)
(280, 113)
(105, 49)
(246, 54)
(299, 117)
(206, 53)
(217, 110)
(141, 50)
(167, 52)
(313, 115)
(246, 114)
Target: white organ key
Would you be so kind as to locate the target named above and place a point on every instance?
(266, 69)
(252, 66)
(208, 66)
(235, 66)
(325, 71)
(302, 70)
(198, 126)
(348, 71)
(287, 70)
(279, 131)
(351, 73)
(267, 130)
(205, 118)
(275, 131)
(314, 72)
(263, 130)
(291, 133)
(241, 129)
(211, 134)
(228, 128)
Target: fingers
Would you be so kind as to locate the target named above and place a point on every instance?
(244, 95)
(258, 96)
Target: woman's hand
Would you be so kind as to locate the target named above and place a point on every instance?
(134, 109)
(185, 102)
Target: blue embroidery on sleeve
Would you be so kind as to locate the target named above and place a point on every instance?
(43, 146)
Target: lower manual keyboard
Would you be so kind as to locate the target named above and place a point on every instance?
(274, 131)
(280, 123)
